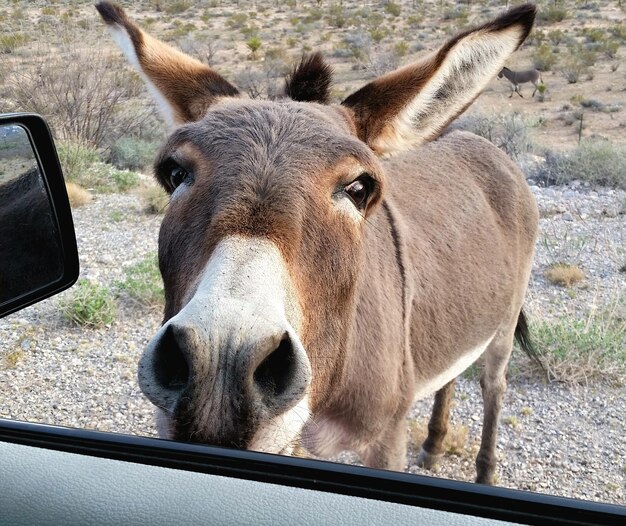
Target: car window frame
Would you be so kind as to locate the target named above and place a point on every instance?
(397, 487)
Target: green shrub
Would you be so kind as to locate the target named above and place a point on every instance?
(556, 36)
(392, 8)
(143, 283)
(596, 161)
(9, 43)
(254, 44)
(415, 21)
(178, 6)
(578, 350)
(89, 304)
(552, 13)
(401, 49)
(132, 154)
(543, 58)
(76, 159)
(610, 48)
(237, 21)
(594, 34)
(105, 178)
(619, 31)
(378, 33)
(337, 16)
(460, 14)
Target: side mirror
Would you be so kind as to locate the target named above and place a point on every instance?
(38, 255)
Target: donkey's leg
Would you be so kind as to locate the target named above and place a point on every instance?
(512, 90)
(389, 452)
(493, 385)
(432, 448)
(518, 91)
(536, 85)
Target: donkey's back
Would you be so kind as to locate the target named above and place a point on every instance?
(471, 223)
(467, 223)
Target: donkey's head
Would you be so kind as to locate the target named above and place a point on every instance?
(262, 242)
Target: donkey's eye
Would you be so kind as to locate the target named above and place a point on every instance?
(360, 190)
(177, 176)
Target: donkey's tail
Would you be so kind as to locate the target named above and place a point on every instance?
(522, 335)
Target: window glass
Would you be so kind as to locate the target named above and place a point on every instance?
(74, 359)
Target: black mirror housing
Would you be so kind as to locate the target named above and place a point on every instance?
(38, 253)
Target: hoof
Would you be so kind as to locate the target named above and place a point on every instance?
(428, 460)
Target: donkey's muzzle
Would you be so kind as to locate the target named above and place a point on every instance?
(224, 380)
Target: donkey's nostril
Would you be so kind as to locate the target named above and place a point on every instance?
(170, 366)
(274, 374)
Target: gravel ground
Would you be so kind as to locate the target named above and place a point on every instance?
(568, 441)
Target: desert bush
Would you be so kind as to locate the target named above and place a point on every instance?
(393, 8)
(105, 178)
(359, 44)
(76, 159)
(542, 91)
(552, 13)
(556, 36)
(572, 70)
(594, 34)
(202, 47)
(400, 49)
(610, 48)
(576, 350)
(143, 283)
(85, 94)
(415, 21)
(577, 64)
(508, 132)
(89, 304)
(177, 6)
(9, 43)
(543, 58)
(154, 199)
(564, 274)
(337, 16)
(237, 21)
(131, 153)
(254, 44)
(460, 14)
(599, 162)
(378, 34)
(619, 30)
(77, 195)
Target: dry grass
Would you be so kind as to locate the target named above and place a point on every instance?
(154, 199)
(77, 195)
(577, 350)
(455, 442)
(564, 275)
(12, 358)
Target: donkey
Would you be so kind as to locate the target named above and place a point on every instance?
(519, 77)
(315, 286)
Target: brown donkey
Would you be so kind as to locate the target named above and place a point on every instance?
(313, 289)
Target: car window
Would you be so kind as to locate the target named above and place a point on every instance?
(558, 112)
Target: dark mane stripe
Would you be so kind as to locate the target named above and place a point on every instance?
(310, 80)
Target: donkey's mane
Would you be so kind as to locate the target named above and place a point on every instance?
(310, 80)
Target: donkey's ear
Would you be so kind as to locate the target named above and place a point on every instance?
(413, 104)
(182, 86)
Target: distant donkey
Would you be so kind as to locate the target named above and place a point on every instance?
(520, 77)
(314, 286)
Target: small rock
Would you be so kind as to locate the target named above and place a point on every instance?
(567, 217)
